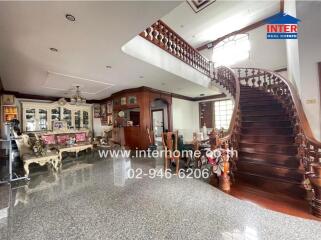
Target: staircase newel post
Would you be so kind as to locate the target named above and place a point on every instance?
(224, 181)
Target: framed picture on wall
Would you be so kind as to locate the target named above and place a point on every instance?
(123, 101)
(109, 107)
(59, 125)
(8, 99)
(132, 100)
(96, 110)
(103, 110)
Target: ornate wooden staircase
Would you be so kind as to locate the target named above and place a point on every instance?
(277, 149)
(267, 150)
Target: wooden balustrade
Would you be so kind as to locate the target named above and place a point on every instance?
(286, 93)
(309, 149)
(164, 37)
(229, 81)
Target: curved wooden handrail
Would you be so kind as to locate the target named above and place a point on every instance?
(309, 148)
(296, 100)
(228, 79)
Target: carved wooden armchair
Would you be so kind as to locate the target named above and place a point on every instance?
(169, 140)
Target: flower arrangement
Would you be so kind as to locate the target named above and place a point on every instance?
(39, 148)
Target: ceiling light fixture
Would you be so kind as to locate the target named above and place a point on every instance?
(141, 76)
(70, 17)
(202, 94)
(53, 49)
(108, 67)
(77, 99)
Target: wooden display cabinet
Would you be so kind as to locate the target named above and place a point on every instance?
(9, 113)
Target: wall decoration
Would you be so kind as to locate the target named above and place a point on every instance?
(96, 110)
(198, 5)
(121, 114)
(103, 110)
(109, 107)
(8, 99)
(132, 100)
(123, 101)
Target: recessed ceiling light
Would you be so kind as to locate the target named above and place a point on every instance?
(53, 49)
(108, 67)
(141, 76)
(70, 17)
(202, 94)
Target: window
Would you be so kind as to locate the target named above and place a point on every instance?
(232, 50)
(223, 111)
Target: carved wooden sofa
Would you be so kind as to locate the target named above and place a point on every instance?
(57, 143)
(61, 142)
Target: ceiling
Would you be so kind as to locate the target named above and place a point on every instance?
(85, 48)
(218, 19)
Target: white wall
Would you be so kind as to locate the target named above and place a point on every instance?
(292, 49)
(310, 54)
(264, 53)
(185, 117)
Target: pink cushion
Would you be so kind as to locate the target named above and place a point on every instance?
(48, 139)
(62, 139)
(80, 137)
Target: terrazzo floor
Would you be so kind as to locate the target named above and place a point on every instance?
(91, 199)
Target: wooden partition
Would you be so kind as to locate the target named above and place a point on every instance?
(138, 98)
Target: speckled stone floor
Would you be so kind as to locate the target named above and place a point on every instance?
(90, 199)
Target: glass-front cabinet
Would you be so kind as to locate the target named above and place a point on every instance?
(77, 119)
(40, 116)
(43, 119)
(30, 119)
(67, 117)
(85, 117)
(55, 114)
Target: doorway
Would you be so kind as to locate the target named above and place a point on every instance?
(159, 119)
(158, 123)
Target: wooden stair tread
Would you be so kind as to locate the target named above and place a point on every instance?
(274, 179)
(263, 114)
(275, 163)
(263, 153)
(252, 161)
(274, 144)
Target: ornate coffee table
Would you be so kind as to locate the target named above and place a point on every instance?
(51, 158)
(74, 148)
